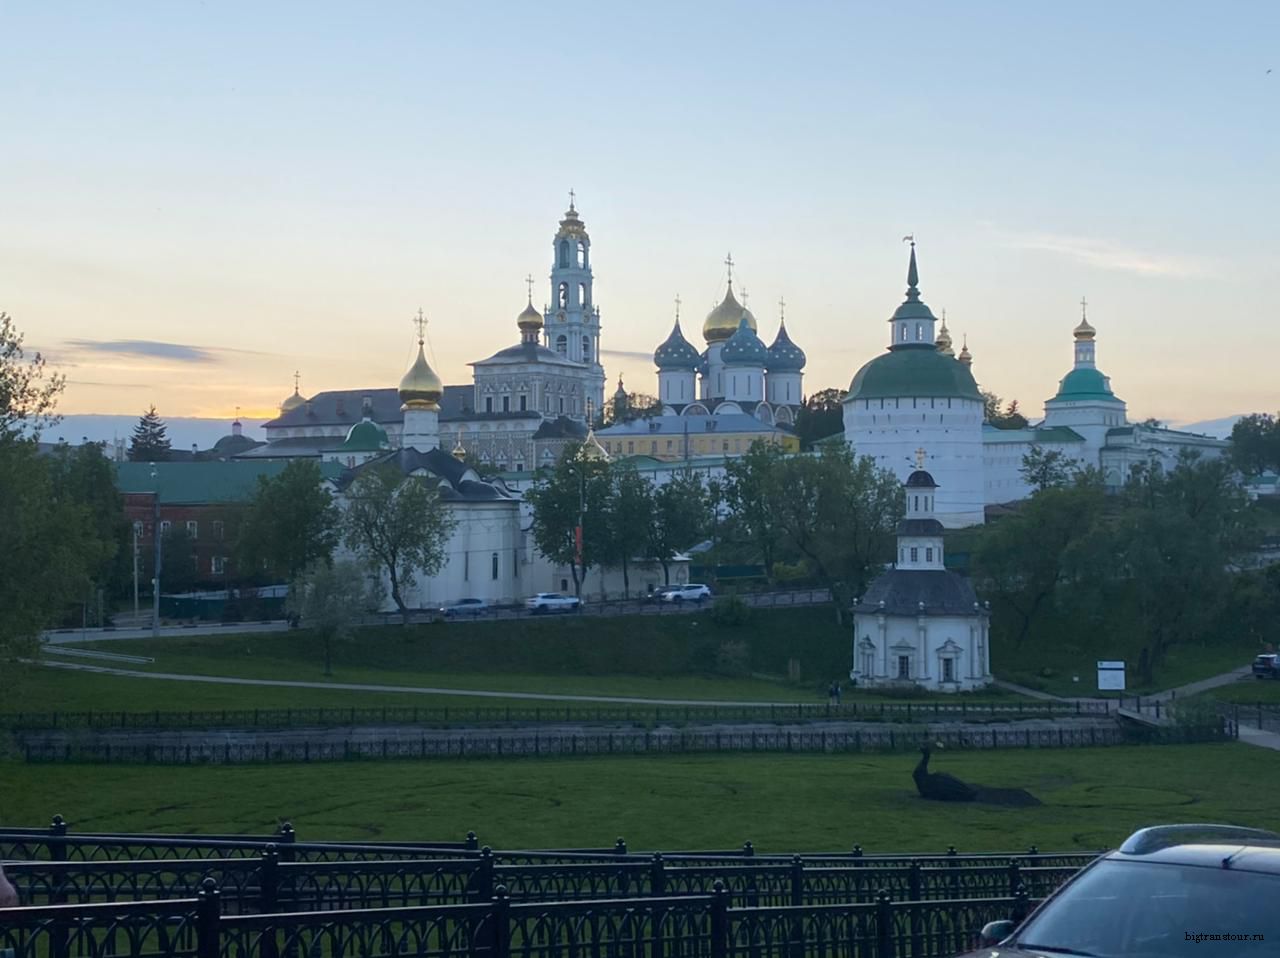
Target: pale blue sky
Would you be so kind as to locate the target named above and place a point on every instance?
(283, 184)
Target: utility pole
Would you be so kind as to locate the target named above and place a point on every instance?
(155, 581)
(137, 531)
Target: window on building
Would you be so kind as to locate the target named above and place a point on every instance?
(466, 566)
(586, 349)
(653, 448)
(631, 446)
(564, 585)
(488, 404)
(562, 405)
(948, 670)
(218, 565)
(515, 563)
(193, 528)
(904, 666)
(164, 526)
(919, 332)
(217, 529)
(524, 402)
(915, 554)
(562, 345)
(493, 572)
(519, 465)
(668, 445)
(564, 295)
(928, 554)
(725, 445)
(868, 663)
(564, 254)
(506, 404)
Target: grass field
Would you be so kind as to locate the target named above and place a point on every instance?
(1092, 798)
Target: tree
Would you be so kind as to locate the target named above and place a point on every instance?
(27, 398)
(1046, 468)
(82, 474)
(149, 442)
(398, 524)
(681, 517)
(840, 514)
(573, 492)
(179, 565)
(822, 415)
(990, 405)
(628, 515)
(291, 523)
(636, 406)
(329, 597)
(1255, 444)
(752, 486)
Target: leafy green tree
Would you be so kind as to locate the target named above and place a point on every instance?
(822, 415)
(681, 517)
(1255, 444)
(150, 442)
(637, 405)
(82, 474)
(1046, 468)
(990, 405)
(628, 515)
(291, 523)
(329, 598)
(575, 490)
(179, 564)
(398, 525)
(752, 487)
(840, 513)
(27, 397)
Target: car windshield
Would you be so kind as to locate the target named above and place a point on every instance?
(1121, 909)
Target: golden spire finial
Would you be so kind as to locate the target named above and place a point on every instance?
(920, 458)
(728, 261)
(528, 281)
(296, 377)
(237, 413)
(1084, 307)
(421, 322)
(782, 310)
(572, 199)
(677, 307)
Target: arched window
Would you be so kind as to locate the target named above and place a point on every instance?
(586, 349)
(903, 336)
(562, 345)
(564, 295)
(493, 566)
(919, 332)
(582, 254)
(583, 297)
(564, 254)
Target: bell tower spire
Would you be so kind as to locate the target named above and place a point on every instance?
(572, 321)
(912, 324)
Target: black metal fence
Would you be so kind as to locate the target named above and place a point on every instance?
(577, 713)
(1257, 715)
(267, 884)
(534, 743)
(671, 926)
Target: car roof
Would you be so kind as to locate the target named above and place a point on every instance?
(1204, 846)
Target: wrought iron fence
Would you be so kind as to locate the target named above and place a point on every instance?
(534, 743)
(694, 926)
(577, 713)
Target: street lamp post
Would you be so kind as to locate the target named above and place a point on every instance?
(155, 581)
(137, 531)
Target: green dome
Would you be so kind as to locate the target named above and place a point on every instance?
(915, 371)
(1083, 384)
(365, 436)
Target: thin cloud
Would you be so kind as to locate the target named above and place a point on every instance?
(152, 349)
(627, 354)
(89, 382)
(1107, 254)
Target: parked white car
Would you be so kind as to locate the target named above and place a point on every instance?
(545, 602)
(462, 608)
(693, 592)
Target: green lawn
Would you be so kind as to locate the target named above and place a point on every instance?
(1248, 692)
(1092, 798)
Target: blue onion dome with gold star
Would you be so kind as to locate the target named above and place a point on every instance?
(744, 347)
(421, 388)
(676, 352)
(784, 355)
(722, 322)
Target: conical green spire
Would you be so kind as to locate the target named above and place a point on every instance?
(913, 278)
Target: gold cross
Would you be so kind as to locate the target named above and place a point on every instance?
(528, 281)
(744, 297)
(1084, 304)
(421, 322)
(677, 307)
(237, 412)
(296, 377)
(920, 458)
(728, 261)
(782, 309)
(572, 196)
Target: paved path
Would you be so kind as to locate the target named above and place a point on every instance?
(1168, 695)
(75, 636)
(1254, 736)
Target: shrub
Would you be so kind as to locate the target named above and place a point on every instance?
(730, 611)
(733, 659)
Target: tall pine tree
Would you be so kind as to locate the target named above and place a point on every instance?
(149, 442)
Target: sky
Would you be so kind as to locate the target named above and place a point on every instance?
(198, 199)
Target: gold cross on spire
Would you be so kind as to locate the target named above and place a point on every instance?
(572, 198)
(296, 377)
(1084, 305)
(237, 412)
(782, 309)
(421, 322)
(528, 281)
(744, 297)
(920, 458)
(677, 307)
(728, 261)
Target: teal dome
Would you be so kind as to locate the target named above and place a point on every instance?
(677, 352)
(784, 355)
(919, 370)
(365, 436)
(1082, 384)
(744, 347)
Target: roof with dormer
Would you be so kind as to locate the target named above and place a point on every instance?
(914, 592)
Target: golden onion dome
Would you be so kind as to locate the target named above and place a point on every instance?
(722, 322)
(965, 356)
(1084, 332)
(421, 388)
(293, 402)
(943, 341)
(530, 318)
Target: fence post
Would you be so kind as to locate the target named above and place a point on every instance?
(797, 880)
(748, 850)
(914, 881)
(1021, 905)
(269, 880)
(884, 926)
(473, 841)
(657, 876)
(500, 916)
(620, 847)
(208, 919)
(720, 921)
(484, 875)
(288, 836)
(1015, 877)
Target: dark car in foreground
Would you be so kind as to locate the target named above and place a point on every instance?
(1173, 890)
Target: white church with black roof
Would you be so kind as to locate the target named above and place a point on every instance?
(920, 624)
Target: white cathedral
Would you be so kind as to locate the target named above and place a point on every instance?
(919, 404)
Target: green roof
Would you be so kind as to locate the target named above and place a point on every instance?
(994, 435)
(364, 436)
(914, 371)
(190, 483)
(1083, 384)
